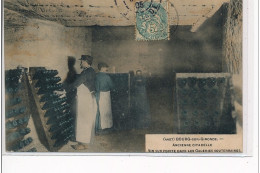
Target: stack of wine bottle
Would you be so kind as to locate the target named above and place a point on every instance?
(51, 111)
(203, 104)
(17, 111)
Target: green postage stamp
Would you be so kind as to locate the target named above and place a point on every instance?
(152, 20)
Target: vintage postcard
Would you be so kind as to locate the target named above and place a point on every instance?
(123, 76)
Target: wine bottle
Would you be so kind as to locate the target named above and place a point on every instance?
(68, 137)
(62, 134)
(68, 129)
(12, 79)
(220, 81)
(28, 141)
(50, 88)
(52, 113)
(45, 73)
(50, 72)
(211, 82)
(23, 120)
(62, 130)
(51, 80)
(12, 73)
(15, 112)
(201, 82)
(58, 117)
(192, 81)
(54, 103)
(55, 87)
(18, 134)
(63, 141)
(12, 90)
(59, 125)
(13, 86)
(38, 73)
(22, 144)
(56, 110)
(11, 124)
(62, 123)
(181, 82)
(49, 96)
(14, 101)
(16, 123)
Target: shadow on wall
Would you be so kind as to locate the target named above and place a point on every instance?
(33, 42)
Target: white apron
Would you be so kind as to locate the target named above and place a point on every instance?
(106, 120)
(86, 115)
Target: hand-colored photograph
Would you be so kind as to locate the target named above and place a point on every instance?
(122, 76)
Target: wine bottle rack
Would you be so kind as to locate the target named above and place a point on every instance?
(17, 111)
(51, 114)
(204, 103)
(121, 101)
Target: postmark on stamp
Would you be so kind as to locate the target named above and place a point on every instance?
(151, 20)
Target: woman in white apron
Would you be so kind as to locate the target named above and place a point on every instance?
(103, 87)
(86, 107)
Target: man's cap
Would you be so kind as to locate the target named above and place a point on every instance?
(87, 58)
(102, 64)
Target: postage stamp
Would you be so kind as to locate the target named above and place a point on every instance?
(151, 20)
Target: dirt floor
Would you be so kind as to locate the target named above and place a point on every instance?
(164, 121)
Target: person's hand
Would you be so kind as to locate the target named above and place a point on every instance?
(64, 87)
(93, 93)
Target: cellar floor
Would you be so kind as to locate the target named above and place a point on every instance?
(132, 141)
(126, 141)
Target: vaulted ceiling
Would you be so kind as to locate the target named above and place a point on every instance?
(111, 12)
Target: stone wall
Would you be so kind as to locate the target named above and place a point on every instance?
(33, 42)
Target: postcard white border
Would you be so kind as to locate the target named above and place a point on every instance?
(249, 94)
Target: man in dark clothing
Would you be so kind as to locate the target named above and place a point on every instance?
(87, 76)
(87, 106)
(104, 85)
